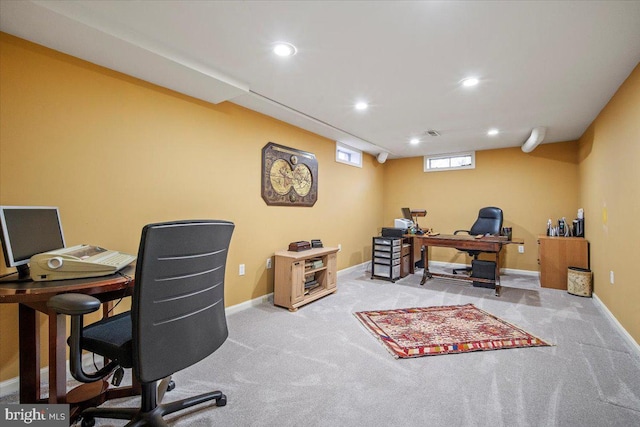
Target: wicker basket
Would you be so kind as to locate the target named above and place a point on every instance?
(579, 281)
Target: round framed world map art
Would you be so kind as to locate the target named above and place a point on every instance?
(289, 176)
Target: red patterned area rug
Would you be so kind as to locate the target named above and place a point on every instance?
(415, 332)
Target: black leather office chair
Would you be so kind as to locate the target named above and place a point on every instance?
(177, 317)
(489, 222)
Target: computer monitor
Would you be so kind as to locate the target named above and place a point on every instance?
(27, 231)
(406, 213)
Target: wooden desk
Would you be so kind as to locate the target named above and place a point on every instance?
(32, 298)
(491, 244)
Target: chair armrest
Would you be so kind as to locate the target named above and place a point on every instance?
(461, 231)
(73, 304)
(76, 306)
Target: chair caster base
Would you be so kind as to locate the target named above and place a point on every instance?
(222, 401)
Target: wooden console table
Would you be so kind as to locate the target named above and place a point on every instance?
(491, 244)
(32, 298)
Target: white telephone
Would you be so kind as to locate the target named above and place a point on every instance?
(77, 262)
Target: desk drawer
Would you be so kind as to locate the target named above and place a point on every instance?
(387, 261)
(386, 271)
(387, 241)
(406, 249)
(380, 254)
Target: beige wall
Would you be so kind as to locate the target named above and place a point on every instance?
(529, 188)
(610, 192)
(115, 153)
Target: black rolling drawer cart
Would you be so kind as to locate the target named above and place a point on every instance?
(385, 258)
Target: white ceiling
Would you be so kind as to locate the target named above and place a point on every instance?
(549, 63)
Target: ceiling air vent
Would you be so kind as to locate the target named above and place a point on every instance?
(432, 132)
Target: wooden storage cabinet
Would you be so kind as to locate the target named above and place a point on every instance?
(305, 276)
(556, 255)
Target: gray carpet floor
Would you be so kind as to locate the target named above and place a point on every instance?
(320, 367)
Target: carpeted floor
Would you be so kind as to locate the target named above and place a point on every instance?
(319, 367)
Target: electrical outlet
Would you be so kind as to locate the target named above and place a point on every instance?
(520, 249)
(611, 278)
(241, 270)
(268, 263)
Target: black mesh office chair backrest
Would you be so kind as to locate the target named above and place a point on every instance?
(489, 222)
(178, 312)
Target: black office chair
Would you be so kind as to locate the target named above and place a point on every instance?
(177, 317)
(489, 222)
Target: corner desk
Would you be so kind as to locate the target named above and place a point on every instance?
(491, 244)
(32, 298)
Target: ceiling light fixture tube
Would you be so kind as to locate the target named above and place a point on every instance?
(536, 137)
(382, 157)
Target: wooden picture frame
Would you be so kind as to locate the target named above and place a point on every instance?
(289, 176)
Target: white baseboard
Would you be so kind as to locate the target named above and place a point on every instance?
(452, 265)
(12, 385)
(9, 386)
(248, 304)
(626, 335)
(269, 297)
(520, 272)
(360, 267)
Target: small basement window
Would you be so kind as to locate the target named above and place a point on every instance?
(348, 155)
(441, 162)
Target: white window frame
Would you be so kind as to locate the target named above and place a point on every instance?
(449, 156)
(353, 156)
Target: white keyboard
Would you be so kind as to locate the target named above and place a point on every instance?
(118, 260)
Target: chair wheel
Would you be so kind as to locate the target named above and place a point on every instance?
(88, 422)
(222, 401)
(171, 385)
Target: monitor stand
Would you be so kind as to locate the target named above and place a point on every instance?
(23, 272)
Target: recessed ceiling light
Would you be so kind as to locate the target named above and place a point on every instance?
(470, 81)
(492, 132)
(362, 106)
(284, 49)
(414, 141)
